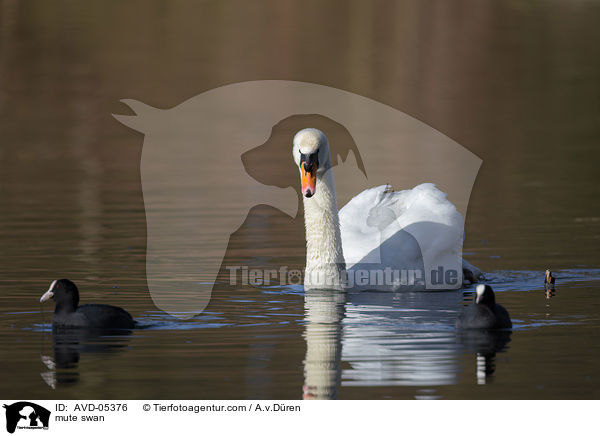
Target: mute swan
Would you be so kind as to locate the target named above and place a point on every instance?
(381, 240)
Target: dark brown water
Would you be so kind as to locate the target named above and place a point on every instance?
(516, 84)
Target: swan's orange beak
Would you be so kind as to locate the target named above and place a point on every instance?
(309, 178)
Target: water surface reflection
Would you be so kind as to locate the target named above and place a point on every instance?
(67, 347)
(324, 313)
(390, 339)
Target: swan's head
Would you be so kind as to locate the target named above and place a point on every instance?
(311, 154)
(485, 295)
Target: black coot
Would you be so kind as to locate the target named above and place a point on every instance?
(68, 313)
(484, 313)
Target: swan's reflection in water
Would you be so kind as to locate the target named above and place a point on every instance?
(390, 339)
(324, 312)
(67, 347)
(401, 339)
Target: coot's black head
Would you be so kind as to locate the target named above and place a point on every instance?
(65, 295)
(485, 295)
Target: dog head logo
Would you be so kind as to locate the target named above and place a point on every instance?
(26, 415)
(197, 191)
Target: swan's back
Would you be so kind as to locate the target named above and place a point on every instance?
(407, 229)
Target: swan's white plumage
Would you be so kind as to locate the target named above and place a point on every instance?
(378, 213)
(378, 228)
(309, 140)
(401, 230)
(324, 259)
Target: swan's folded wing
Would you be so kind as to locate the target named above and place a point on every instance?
(364, 217)
(378, 221)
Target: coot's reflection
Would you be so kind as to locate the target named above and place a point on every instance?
(389, 339)
(485, 344)
(69, 344)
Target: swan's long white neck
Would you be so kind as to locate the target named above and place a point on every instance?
(325, 265)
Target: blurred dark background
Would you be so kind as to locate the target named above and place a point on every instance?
(517, 83)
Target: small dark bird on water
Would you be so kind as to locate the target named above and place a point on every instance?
(68, 313)
(484, 313)
(549, 280)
